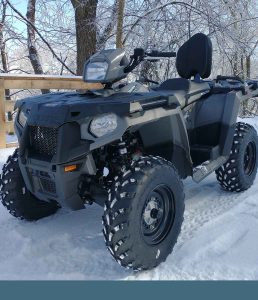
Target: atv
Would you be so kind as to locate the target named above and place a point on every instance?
(128, 148)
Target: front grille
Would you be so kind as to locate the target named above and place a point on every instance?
(43, 140)
(48, 185)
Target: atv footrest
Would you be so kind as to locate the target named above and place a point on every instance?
(201, 153)
(206, 168)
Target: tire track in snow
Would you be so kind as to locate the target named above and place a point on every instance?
(203, 204)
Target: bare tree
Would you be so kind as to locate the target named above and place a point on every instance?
(164, 24)
(33, 53)
(120, 22)
(49, 47)
(104, 35)
(86, 33)
(3, 46)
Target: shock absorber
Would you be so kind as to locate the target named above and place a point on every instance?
(122, 147)
(128, 148)
(122, 153)
(119, 155)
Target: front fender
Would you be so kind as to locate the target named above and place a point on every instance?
(165, 135)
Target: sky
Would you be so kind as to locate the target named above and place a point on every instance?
(21, 5)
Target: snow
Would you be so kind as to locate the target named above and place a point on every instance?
(11, 138)
(218, 240)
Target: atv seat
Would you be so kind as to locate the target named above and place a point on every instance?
(194, 58)
(184, 90)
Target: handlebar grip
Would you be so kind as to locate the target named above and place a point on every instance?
(162, 54)
(139, 52)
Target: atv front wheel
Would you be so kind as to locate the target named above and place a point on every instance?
(16, 197)
(239, 172)
(144, 213)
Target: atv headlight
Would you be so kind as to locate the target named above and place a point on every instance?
(96, 71)
(22, 118)
(103, 124)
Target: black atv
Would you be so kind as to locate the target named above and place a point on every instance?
(128, 149)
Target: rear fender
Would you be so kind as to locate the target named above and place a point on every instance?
(213, 121)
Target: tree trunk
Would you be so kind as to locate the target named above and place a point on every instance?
(102, 38)
(235, 64)
(120, 23)
(31, 41)
(242, 73)
(232, 7)
(85, 20)
(4, 64)
(248, 66)
(3, 53)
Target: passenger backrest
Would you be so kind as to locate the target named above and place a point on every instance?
(195, 57)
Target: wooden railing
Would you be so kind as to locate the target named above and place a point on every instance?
(27, 82)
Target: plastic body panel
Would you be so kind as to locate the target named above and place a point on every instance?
(212, 122)
(167, 138)
(116, 60)
(71, 114)
(159, 121)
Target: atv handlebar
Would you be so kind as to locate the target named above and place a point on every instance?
(139, 55)
(155, 53)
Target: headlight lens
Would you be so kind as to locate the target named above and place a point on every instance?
(22, 118)
(96, 71)
(103, 125)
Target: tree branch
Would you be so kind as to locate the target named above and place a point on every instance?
(42, 38)
(161, 7)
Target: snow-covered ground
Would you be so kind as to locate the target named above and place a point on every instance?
(219, 240)
(11, 138)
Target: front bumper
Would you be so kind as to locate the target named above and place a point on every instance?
(50, 182)
(44, 175)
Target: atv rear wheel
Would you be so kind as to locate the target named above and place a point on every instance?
(239, 172)
(144, 213)
(15, 196)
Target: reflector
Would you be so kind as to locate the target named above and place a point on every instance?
(71, 168)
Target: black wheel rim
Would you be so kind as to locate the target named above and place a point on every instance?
(250, 158)
(158, 215)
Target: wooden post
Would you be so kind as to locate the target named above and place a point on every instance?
(9, 122)
(2, 115)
